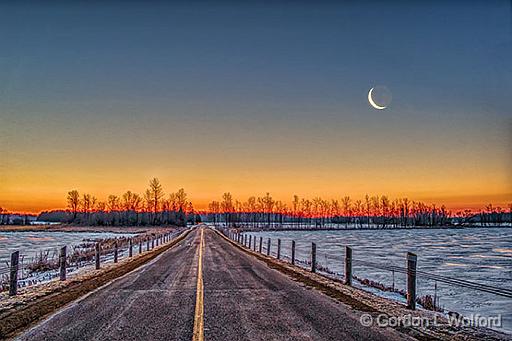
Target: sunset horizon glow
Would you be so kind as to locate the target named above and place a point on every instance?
(249, 99)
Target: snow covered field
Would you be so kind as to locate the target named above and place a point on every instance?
(482, 255)
(32, 244)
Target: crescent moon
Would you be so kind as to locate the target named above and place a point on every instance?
(372, 103)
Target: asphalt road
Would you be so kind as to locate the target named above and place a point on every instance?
(244, 299)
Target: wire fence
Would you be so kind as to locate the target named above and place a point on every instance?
(45, 265)
(302, 257)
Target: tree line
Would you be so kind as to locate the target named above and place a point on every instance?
(154, 207)
(371, 211)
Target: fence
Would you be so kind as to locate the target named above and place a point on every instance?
(17, 274)
(410, 270)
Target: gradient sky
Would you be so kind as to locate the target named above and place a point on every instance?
(254, 98)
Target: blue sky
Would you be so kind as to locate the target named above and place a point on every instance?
(277, 80)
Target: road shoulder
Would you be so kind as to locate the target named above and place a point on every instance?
(58, 294)
(366, 303)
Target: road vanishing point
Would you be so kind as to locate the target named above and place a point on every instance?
(206, 288)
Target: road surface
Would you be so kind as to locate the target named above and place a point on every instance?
(235, 297)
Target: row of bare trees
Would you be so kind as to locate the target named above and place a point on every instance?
(14, 218)
(370, 212)
(5, 216)
(154, 207)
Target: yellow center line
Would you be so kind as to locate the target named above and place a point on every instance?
(199, 314)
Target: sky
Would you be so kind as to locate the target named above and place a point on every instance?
(256, 97)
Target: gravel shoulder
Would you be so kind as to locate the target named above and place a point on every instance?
(362, 302)
(30, 306)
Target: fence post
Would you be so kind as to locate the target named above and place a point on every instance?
(115, 251)
(13, 278)
(152, 243)
(250, 241)
(293, 252)
(278, 248)
(245, 240)
(147, 244)
(313, 257)
(140, 246)
(130, 248)
(412, 260)
(348, 265)
(62, 263)
(261, 242)
(268, 247)
(97, 246)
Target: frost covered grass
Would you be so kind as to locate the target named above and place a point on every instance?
(39, 252)
(480, 255)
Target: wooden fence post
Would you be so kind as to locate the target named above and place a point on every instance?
(152, 243)
(147, 244)
(245, 240)
(278, 248)
(13, 276)
(261, 242)
(348, 265)
(412, 260)
(250, 241)
(293, 252)
(268, 247)
(130, 248)
(140, 246)
(97, 256)
(115, 251)
(313, 257)
(62, 263)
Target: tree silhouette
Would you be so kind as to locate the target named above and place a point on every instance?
(73, 201)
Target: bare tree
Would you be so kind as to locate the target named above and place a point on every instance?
(155, 194)
(73, 201)
(227, 207)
